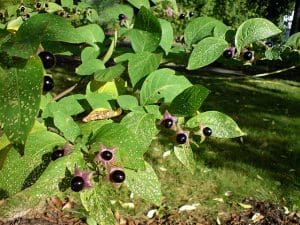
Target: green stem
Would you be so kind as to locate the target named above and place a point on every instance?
(274, 72)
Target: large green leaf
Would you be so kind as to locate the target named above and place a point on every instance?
(129, 152)
(20, 96)
(97, 202)
(206, 51)
(143, 125)
(146, 33)
(139, 3)
(109, 73)
(222, 125)
(166, 40)
(66, 125)
(162, 84)
(185, 155)
(145, 184)
(189, 101)
(91, 33)
(47, 185)
(253, 30)
(89, 53)
(18, 171)
(127, 102)
(294, 41)
(39, 28)
(89, 67)
(142, 64)
(203, 27)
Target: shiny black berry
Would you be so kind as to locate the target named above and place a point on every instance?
(227, 54)
(106, 155)
(182, 16)
(122, 17)
(77, 183)
(38, 5)
(168, 123)
(181, 138)
(191, 14)
(269, 44)
(57, 154)
(48, 59)
(117, 176)
(48, 83)
(207, 131)
(22, 8)
(248, 55)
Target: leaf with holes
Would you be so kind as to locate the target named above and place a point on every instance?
(222, 125)
(253, 30)
(145, 184)
(20, 96)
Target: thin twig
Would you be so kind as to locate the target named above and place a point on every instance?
(274, 72)
(65, 92)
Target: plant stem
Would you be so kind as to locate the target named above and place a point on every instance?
(274, 72)
(65, 92)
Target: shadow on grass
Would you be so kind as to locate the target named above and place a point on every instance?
(269, 112)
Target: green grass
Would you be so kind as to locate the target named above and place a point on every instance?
(265, 164)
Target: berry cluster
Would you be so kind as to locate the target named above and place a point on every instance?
(182, 137)
(105, 156)
(49, 61)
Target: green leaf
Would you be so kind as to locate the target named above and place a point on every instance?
(127, 102)
(53, 7)
(166, 40)
(294, 41)
(203, 27)
(143, 125)
(89, 53)
(124, 57)
(89, 67)
(189, 101)
(90, 129)
(206, 51)
(99, 100)
(139, 3)
(91, 33)
(273, 53)
(145, 184)
(68, 105)
(142, 64)
(154, 110)
(129, 153)
(109, 73)
(253, 30)
(185, 155)
(146, 33)
(40, 28)
(66, 125)
(19, 172)
(222, 125)
(142, 41)
(67, 3)
(96, 202)
(162, 84)
(47, 185)
(110, 14)
(20, 96)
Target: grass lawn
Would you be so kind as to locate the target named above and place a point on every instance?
(265, 164)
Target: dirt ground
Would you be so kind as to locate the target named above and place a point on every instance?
(260, 213)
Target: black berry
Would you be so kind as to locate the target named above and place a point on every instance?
(77, 184)
(207, 131)
(57, 154)
(46, 5)
(227, 54)
(38, 5)
(181, 138)
(269, 44)
(22, 8)
(48, 83)
(248, 55)
(117, 176)
(106, 155)
(1, 16)
(168, 123)
(191, 14)
(48, 59)
(122, 17)
(182, 16)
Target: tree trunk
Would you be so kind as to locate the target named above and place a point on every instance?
(296, 21)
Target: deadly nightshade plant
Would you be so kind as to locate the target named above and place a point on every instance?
(105, 155)
(81, 180)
